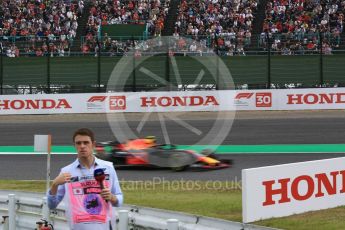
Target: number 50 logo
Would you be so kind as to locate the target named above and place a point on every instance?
(263, 99)
(117, 102)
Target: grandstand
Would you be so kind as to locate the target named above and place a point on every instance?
(269, 43)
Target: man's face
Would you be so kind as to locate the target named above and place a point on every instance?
(84, 146)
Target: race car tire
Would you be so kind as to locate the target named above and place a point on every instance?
(179, 169)
(179, 161)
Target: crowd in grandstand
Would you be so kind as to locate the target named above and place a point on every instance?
(152, 13)
(229, 23)
(38, 27)
(41, 24)
(297, 26)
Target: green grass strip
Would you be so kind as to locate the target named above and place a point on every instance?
(291, 148)
(241, 149)
(30, 149)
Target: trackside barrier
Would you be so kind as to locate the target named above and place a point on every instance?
(24, 209)
(172, 224)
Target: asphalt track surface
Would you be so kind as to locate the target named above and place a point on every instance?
(308, 127)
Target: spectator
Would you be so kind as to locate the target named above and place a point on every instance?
(304, 20)
(215, 18)
(38, 19)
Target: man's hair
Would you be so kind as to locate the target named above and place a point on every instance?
(84, 132)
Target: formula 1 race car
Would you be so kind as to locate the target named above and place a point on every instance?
(144, 152)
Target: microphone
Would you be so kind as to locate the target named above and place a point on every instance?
(99, 176)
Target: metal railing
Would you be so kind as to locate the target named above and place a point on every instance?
(21, 210)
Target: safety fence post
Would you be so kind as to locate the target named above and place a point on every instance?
(172, 224)
(123, 220)
(45, 209)
(12, 211)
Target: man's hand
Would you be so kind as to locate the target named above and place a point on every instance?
(59, 180)
(62, 178)
(108, 196)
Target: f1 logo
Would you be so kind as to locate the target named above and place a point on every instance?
(117, 102)
(263, 99)
(97, 99)
(244, 95)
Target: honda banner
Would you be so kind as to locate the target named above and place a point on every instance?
(283, 190)
(117, 102)
(290, 99)
(221, 100)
